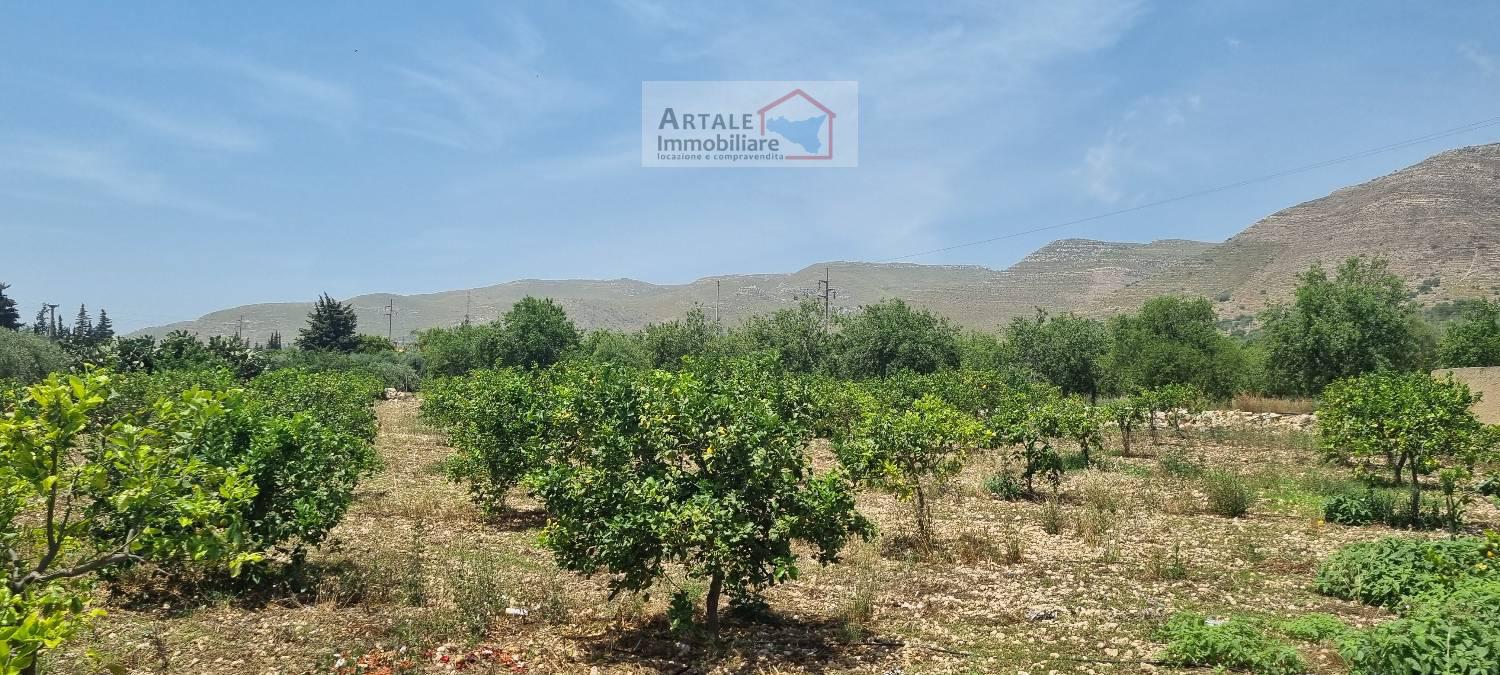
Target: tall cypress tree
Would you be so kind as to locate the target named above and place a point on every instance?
(10, 317)
(330, 327)
(83, 326)
(40, 325)
(104, 329)
(273, 343)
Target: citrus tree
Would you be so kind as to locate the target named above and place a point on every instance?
(1126, 413)
(1412, 421)
(703, 468)
(1081, 423)
(904, 450)
(60, 457)
(494, 420)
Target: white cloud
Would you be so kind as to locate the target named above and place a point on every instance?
(480, 94)
(287, 92)
(1477, 55)
(108, 173)
(1150, 121)
(1101, 166)
(207, 132)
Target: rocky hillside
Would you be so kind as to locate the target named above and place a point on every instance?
(1438, 222)
(1061, 275)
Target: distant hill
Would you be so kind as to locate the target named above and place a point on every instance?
(1438, 222)
(1061, 275)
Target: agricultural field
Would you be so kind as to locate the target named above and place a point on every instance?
(416, 573)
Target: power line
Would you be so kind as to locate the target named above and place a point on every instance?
(1473, 126)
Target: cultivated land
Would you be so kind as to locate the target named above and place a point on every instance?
(1076, 586)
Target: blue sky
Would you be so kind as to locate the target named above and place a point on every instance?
(167, 159)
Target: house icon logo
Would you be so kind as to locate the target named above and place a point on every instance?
(803, 121)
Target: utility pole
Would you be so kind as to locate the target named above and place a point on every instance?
(390, 320)
(239, 328)
(718, 324)
(51, 324)
(827, 292)
(468, 301)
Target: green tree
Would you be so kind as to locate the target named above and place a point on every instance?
(978, 350)
(1066, 350)
(28, 358)
(706, 470)
(374, 344)
(103, 329)
(82, 334)
(616, 348)
(796, 335)
(907, 450)
(1410, 420)
(493, 418)
(1175, 340)
(10, 317)
(331, 326)
(273, 343)
(458, 350)
(536, 333)
(1357, 322)
(890, 337)
(60, 458)
(669, 342)
(1474, 339)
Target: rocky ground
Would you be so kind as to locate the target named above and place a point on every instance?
(416, 580)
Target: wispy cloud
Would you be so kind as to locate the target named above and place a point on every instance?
(108, 173)
(1477, 55)
(205, 131)
(1101, 168)
(482, 93)
(288, 92)
(1149, 120)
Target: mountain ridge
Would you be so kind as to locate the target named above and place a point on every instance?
(1437, 221)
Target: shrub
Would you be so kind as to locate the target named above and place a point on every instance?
(1005, 485)
(1236, 643)
(1228, 494)
(27, 358)
(1388, 572)
(1457, 632)
(1315, 627)
(1360, 508)
(1176, 463)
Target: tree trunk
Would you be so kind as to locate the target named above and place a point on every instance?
(711, 607)
(1416, 497)
(1125, 438)
(924, 533)
(1400, 463)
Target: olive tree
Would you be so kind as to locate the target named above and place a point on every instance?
(702, 469)
(1412, 421)
(1356, 322)
(59, 458)
(890, 337)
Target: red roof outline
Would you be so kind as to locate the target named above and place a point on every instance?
(809, 99)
